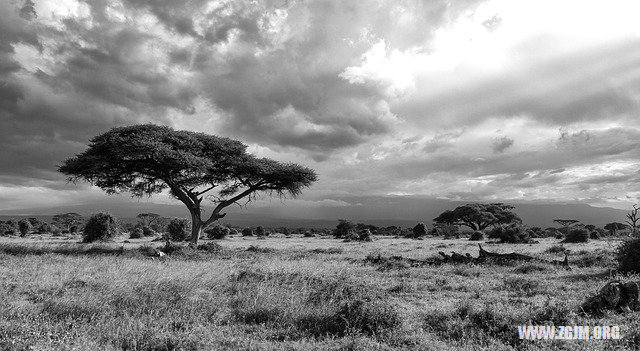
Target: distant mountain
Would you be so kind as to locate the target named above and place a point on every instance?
(402, 211)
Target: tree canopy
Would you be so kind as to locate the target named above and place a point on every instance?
(148, 159)
(67, 220)
(478, 216)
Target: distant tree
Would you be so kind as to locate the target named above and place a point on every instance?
(566, 223)
(260, 231)
(419, 230)
(613, 227)
(632, 220)
(148, 159)
(24, 226)
(66, 220)
(148, 219)
(479, 216)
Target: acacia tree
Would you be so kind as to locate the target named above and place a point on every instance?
(148, 159)
(67, 220)
(479, 216)
(566, 223)
(613, 227)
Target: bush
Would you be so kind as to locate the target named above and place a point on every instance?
(233, 232)
(43, 228)
(476, 236)
(6, 229)
(247, 232)
(101, 226)
(448, 231)
(178, 229)
(73, 229)
(136, 233)
(510, 233)
(627, 256)
(217, 232)
(344, 229)
(260, 231)
(419, 230)
(594, 235)
(146, 231)
(55, 231)
(24, 226)
(577, 235)
(368, 317)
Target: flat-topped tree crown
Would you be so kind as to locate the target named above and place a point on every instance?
(147, 159)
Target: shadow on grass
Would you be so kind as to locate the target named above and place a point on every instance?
(605, 274)
(109, 249)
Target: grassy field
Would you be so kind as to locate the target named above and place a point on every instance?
(295, 293)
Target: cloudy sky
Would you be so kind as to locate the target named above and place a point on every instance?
(465, 100)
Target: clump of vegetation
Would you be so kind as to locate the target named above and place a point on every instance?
(217, 232)
(24, 226)
(511, 233)
(448, 231)
(260, 231)
(476, 236)
(146, 231)
(627, 256)
(419, 230)
(210, 247)
(178, 229)
(577, 235)
(556, 249)
(101, 226)
(247, 232)
(594, 235)
(136, 233)
(344, 229)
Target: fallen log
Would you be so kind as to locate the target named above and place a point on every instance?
(483, 257)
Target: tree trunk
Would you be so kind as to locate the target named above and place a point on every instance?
(196, 229)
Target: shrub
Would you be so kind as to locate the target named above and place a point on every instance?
(55, 231)
(476, 236)
(627, 256)
(210, 247)
(247, 232)
(309, 234)
(367, 317)
(344, 229)
(577, 235)
(73, 229)
(178, 229)
(594, 235)
(419, 230)
(101, 226)
(136, 233)
(6, 229)
(233, 231)
(43, 228)
(260, 231)
(510, 233)
(217, 232)
(24, 226)
(146, 231)
(448, 231)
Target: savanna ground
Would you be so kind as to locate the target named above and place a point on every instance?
(295, 293)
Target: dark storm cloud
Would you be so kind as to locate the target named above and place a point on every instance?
(271, 69)
(501, 144)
